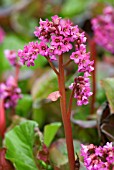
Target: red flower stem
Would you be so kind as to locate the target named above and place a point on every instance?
(17, 73)
(65, 117)
(93, 57)
(70, 103)
(2, 119)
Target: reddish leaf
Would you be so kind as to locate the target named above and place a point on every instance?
(43, 154)
(54, 96)
(5, 164)
(2, 119)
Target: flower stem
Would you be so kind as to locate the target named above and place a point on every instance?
(17, 73)
(93, 57)
(65, 117)
(2, 119)
(70, 103)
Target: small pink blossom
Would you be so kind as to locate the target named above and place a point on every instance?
(43, 49)
(11, 55)
(56, 19)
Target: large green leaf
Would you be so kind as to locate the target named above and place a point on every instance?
(19, 143)
(108, 85)
(50, 132)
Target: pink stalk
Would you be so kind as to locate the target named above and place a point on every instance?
(93, 57)
(17, 70)
(65, 117)
(2, 119)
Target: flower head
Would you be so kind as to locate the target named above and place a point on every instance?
(56, 38)
(11, 55)
(29, 54)
(81, 87)
(103, 27)
(96, 158)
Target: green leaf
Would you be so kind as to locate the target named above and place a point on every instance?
(108, 85)
(24, 106)
(19, 143)
(50, 132)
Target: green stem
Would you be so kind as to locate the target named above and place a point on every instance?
(65, 117)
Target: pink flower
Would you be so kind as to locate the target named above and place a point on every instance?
(81, 87)
(68, 45)
(59, 49)
(29, 54)
(56, 40)
(56, 20)
(96, 158)
(43, 49)
(51, 54)
(11, 55)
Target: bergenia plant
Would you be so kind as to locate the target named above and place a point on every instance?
(55, 38)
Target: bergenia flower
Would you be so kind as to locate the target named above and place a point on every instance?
(29, 54)
(11, 55)
(10, 93)
(98, 158)
(81, 87)
(103, 27)
(56, 38)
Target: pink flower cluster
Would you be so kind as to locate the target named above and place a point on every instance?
(57, 37)
(2, 35)
(11, 55)
(29, 54)
(103, 27)
(10, 93)
(81, 87)
(82, 59)
(98, 158)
